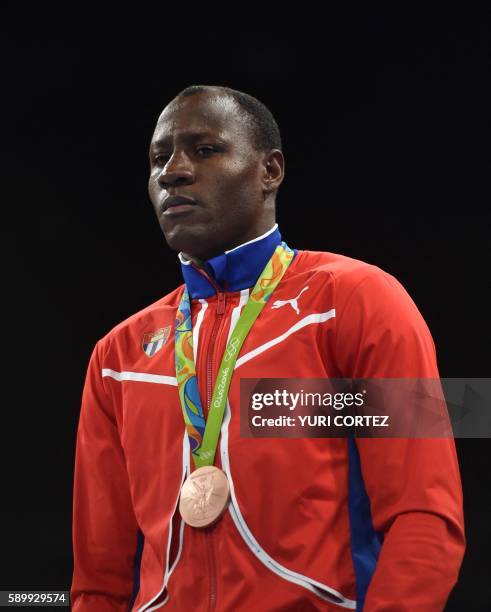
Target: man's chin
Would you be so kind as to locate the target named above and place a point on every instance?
(185, 240)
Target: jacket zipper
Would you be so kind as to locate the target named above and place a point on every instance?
(210, 362)
(209, 392)
(208, 532)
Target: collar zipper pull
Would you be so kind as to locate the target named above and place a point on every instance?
(221, 302)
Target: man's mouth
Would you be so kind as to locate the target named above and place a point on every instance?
(178, 209)
(175, 204)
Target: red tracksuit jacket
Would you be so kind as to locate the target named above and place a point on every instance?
(313, 523)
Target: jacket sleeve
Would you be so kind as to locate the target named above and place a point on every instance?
(104, 525)
(413, 485)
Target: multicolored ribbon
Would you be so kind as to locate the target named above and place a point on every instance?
(203, 434)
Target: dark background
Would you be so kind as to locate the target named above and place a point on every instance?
(385, 127)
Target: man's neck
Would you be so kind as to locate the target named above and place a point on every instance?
(200, 262)
(234, 269)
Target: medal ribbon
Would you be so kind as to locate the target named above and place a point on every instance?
(203, 434)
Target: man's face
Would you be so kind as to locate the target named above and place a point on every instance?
(201, 149)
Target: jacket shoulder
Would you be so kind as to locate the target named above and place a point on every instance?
(344, 270)
(353, 279)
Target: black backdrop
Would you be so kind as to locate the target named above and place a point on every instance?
(384, 120)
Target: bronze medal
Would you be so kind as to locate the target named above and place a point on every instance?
(204, 496)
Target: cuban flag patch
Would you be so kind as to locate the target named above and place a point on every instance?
(154, 341)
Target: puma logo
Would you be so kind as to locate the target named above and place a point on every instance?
(293, 302)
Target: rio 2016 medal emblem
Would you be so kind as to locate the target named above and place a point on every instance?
(205, 495)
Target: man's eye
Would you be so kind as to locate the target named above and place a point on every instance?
(205, 150)
(201, 151)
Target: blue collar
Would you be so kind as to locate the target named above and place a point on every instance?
(232, 270)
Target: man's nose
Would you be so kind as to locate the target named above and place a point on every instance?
(177, 170)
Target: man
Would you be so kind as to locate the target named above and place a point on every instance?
(304, 523)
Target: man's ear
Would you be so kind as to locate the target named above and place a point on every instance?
(274, 170)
